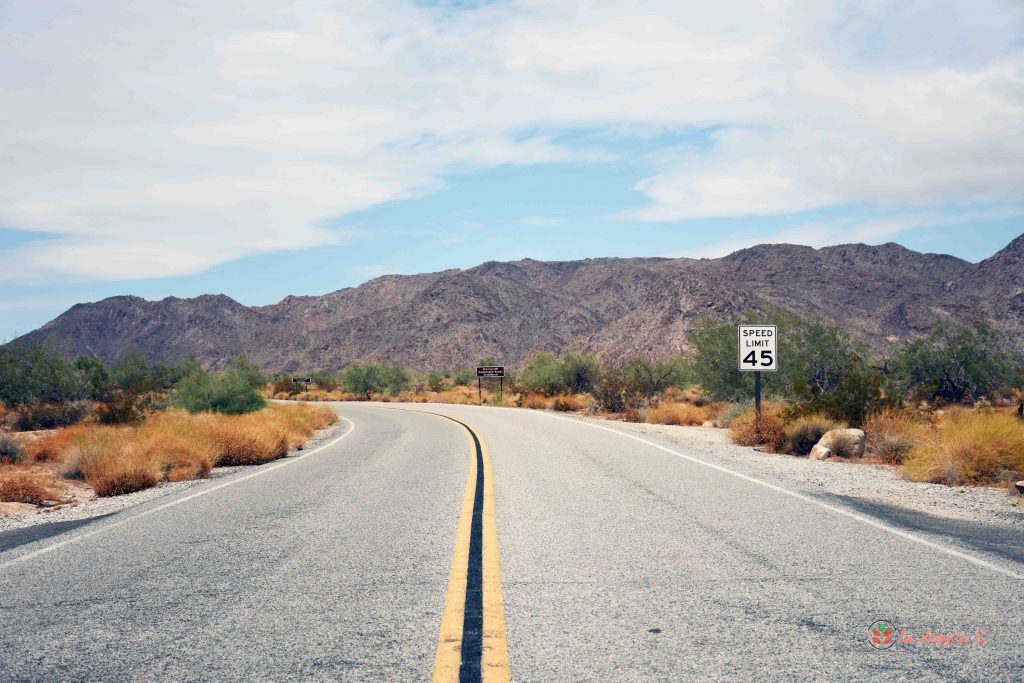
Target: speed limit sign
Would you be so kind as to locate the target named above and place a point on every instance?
(758, 349)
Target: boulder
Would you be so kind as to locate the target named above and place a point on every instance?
(1020, 487)
(846, 442)
(819, 452)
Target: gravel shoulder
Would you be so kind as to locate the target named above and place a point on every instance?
(64, 517)
(975, 518)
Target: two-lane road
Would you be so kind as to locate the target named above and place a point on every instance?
(619, 560)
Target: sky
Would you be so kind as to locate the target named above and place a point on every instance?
(262, 149)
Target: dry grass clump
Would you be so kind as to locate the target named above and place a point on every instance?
(176, 446)
(969, 448)
(460, 395)
(891, 434)
(565, 403)
(28, 485)
(801, 435)
(746, 430)
(534, 401)
(683, 414)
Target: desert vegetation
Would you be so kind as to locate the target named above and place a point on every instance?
(925, 404)
(132, 425)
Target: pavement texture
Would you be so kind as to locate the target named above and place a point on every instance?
(620, 562)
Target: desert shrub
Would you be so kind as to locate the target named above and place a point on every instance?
(180, 444)
(123, 408)
(731, 411)
(534, 400)
(370, 378)
(747, 430)
(567, 403)
(803, 433)
(20, 485)
(32, 416)
(648, 378)
(969, 448)
(10, 449)
(634, 414)
(823, 369)
(235, 392)
(683, 414)
(953, 364)
(891, 433)
(249, 440)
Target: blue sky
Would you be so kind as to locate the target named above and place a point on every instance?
(297, 148)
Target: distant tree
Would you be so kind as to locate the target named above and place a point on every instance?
(541, 374)
(325, 379)
(577, 372)
(953, 363)
(94, 377)
(233, 392)
(131, 374)
(435, 381)
(648, 378)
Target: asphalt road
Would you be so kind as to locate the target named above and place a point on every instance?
(619, 561)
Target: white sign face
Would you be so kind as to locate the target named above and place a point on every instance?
(758, 350)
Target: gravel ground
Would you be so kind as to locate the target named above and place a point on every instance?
(98, 507)
(878, 485)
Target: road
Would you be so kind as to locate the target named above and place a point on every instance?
(620, 560)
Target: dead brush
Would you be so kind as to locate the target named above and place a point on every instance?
(565, 403)
(248, 439)
(969, 448)
(534, 401)
(680, 414)
(892, 434)
(746, 430)
(28, 485)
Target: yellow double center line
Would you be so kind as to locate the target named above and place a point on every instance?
(471, 646)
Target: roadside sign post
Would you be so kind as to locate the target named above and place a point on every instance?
(299, 380)
(758, 352)
(489, 371)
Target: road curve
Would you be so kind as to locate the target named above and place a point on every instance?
(620, 561)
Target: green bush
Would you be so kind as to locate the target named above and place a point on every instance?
(10, 449)
(234, 392)
(953, 364)
(371, 378)
(821, 369)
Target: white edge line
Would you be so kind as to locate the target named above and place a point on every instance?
(145, 513)
(807, 499)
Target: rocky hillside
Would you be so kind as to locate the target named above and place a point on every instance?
(507, 311)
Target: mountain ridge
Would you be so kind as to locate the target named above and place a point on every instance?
(616, 307)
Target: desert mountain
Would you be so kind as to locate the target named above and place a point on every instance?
(508, 311)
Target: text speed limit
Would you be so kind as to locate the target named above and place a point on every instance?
(758, 348)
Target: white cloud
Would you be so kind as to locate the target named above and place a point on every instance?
(163, 138)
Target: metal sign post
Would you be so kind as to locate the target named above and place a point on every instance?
(306, 380)
(758, 352)
(489, 371)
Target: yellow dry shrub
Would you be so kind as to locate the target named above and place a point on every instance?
(683, 414)
(565, 403)
(535, 401)
(892, 433)
(34, 485)
(746, 430)
(181, 444)
(969, 448)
